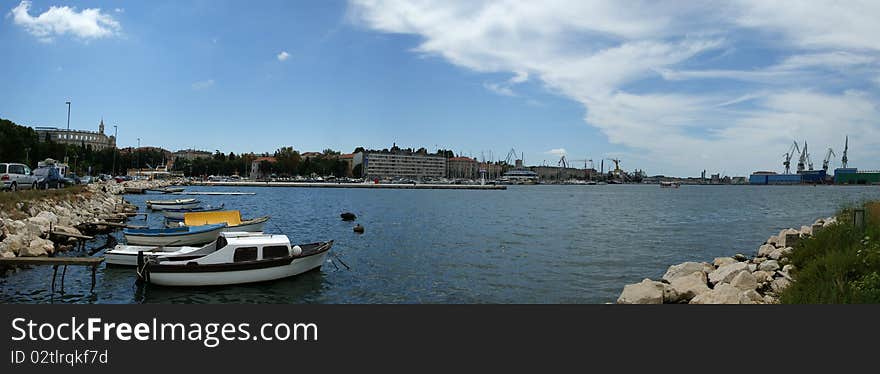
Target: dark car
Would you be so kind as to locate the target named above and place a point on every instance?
(49, 177)
(72, 179)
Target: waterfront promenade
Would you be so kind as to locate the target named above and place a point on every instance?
(354, 185)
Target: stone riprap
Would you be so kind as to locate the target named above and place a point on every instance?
(727, 280)
(25, 232)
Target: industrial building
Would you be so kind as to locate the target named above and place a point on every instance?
(854, 176)
(400, 164)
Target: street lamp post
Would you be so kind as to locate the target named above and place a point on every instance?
(68, 129)
(139, 159)
(115, 148)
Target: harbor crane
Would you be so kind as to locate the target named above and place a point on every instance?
(562, 162)
(803, 159)
(616, 162)
(828, 156)
(789, 155)
(845, 149)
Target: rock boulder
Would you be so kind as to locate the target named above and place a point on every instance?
(686, 268)
(726, 273)
(645, 292)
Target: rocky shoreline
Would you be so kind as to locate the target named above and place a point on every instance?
(49, 225)
(727, 280)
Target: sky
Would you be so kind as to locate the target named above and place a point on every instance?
(669, 87)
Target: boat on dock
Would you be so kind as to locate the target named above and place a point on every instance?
(187, 235)
(232, 219)
(177, 214)
(172, 204)
(239, 258)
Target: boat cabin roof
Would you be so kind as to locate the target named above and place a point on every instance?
(242, 239)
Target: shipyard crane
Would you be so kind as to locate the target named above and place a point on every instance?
(511, 156)
(616, 162)
(809, 162)
(562, 162)
(828, 156)
(803, 160)
(789, 155)
(845, 149)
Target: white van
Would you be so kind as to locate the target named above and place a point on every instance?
(16, 177)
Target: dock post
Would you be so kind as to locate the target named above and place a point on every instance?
(859, 218)
(94, 268)
(63, 273)
(54, 273)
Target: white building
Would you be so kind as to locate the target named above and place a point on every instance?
(400, 165)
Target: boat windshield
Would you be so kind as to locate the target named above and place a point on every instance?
(221, 242)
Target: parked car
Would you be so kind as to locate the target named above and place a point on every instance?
(49, 177)
(16, 177)
(72, 178)
(86, 179)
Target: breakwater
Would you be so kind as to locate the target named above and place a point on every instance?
(46, 225)
(354, 185)
(727, 280)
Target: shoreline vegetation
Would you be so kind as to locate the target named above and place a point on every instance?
(834, 261)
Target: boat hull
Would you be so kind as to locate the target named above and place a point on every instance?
(173, 206)
(126, 255)
(219, 278)
(173, 240)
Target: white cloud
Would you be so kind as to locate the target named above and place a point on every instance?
(201, 85)
(283, 56)
(119, 10)
(558, 152)
(599, 53)
(500, 89)
(57, 21)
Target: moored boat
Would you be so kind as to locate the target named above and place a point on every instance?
(232, 219)
(178, 236)
(172, 204)
(126, 255)
(242, 258)
(665, 184)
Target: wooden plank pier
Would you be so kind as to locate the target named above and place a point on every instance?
(55, 262)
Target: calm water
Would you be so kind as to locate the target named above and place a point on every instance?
(528, 244)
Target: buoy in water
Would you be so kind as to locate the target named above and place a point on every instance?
(359, 229)
(348, 216)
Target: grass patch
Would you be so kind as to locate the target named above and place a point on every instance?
(9, 200)
(840, 264)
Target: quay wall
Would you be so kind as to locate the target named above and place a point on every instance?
(354, 185)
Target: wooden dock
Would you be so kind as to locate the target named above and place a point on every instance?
(55, 262)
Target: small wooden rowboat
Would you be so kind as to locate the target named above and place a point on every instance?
(172, 204)
(232, 219)
(177, 236)
(126, 255)
(239, 258)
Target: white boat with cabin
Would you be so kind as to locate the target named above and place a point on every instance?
(238, 258)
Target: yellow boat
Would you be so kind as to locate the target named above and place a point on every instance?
(232, 219)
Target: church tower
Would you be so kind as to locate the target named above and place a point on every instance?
(101, 126)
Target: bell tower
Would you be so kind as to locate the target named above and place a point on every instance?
(101, 126)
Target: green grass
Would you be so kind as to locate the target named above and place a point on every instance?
(840, 264)
(8, 199)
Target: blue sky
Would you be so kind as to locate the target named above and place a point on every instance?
(668, 87)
